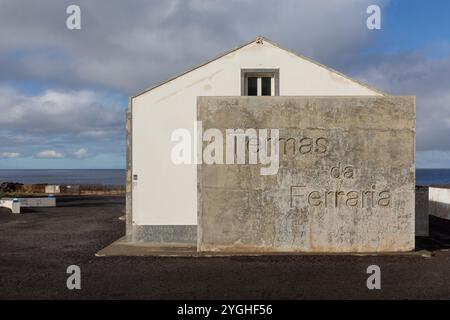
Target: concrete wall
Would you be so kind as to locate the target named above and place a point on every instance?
(422, 215)
(37, 202)
(347, 184)
(439, 204)
(165, 194)
(14, 204)
(11, 204)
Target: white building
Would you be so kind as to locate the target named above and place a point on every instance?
(162, 196)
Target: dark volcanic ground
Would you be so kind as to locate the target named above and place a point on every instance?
(38, 246)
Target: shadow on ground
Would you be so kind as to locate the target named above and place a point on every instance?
(439, 238)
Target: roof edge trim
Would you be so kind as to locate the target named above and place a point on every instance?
(258, 39)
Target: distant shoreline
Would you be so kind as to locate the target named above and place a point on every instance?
(19, 189)
(116, 177)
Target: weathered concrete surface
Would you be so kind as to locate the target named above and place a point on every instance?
(175, 234)
(37, 202)
(422, 216)
(14, 204)
(123, 247)
(439, 202)
(347, 185)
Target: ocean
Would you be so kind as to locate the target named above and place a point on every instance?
(427, 177)
(117, 176)
(57, 176)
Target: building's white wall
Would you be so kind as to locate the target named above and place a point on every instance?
(166, 194)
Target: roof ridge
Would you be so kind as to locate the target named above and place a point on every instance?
(260, 40)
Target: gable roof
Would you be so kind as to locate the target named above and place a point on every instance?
(259, 39)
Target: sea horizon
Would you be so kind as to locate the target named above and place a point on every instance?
(424, 176)
(64, 176)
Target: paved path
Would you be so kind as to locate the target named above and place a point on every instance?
(37, 247)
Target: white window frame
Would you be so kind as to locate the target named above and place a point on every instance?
(274, 74)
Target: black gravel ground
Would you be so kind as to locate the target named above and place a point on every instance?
(38, 246)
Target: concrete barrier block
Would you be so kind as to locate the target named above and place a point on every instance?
(345, 182)
(37, 202)
(12, 204)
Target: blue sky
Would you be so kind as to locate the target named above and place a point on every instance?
(415, 25)
(66, 91)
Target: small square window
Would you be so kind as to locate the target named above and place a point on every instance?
(260, 82)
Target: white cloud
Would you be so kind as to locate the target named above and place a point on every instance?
(60, 111)
(426, 78)
(62, 120)
(125, 51)
(131, 49)
(49, 154)
(433, 159)
(80, 153)
(9, 155)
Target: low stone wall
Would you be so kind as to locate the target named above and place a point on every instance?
(37, 202)
(15, 204)
(82, 189)
(100, 190)
(439, 202)
(33, 188)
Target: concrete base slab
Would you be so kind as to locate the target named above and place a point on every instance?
(124, 247)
